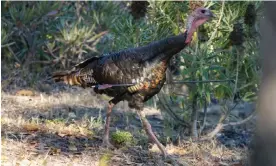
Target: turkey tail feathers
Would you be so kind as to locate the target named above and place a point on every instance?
(68, 78)
(79, 75)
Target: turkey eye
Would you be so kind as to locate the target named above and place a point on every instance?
(203, 11)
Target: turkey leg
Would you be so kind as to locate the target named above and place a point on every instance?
(106, 142)
(150, 133)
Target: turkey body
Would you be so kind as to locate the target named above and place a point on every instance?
(144, 67)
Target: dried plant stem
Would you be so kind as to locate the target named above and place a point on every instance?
(240, 122)
(194, 117)
(166, 107)
(204, 117)
(237, 74)
(7, 45)
(221, 126)
(15, 57)
(203, 81)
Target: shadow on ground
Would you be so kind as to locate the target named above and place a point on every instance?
(63, 130)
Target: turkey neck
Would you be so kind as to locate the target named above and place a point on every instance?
(164, 50)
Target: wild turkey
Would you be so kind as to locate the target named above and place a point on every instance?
(141, 72)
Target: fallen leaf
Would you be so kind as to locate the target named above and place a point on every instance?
(55, 151)
(17, 65)
(177, 150)
(52, 13)
(72, 147)
(72, 115)
(65, 132)
(24, 92)
(31, 127)
(33, 144)
(61, 134)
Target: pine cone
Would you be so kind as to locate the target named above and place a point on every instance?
(250, 15)
(236, 36)
(138, 9)
(175, 65)
(202, 34)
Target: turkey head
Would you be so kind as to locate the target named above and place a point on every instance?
(197, 18)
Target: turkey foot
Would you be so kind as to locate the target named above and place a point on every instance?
(150, 133)
(106, 142)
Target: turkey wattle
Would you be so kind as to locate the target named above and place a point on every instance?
(144, 67)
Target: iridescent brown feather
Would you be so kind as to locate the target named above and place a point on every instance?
(80, 75)
(158, 74)
(67, 78)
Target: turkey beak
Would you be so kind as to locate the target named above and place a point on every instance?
(211, 15)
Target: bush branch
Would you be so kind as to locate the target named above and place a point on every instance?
(221, 126)
(252, 115)
(164, 104)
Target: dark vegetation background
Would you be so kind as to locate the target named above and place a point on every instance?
(38, 38)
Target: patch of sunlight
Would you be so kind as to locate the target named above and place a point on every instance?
(105, 159)
(52, 126)
(44, 101)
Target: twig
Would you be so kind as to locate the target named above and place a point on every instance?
(7, 45)
(194, 117)
(51, 52)
(47, 154)
(171, 111)
(218, 24)
(205, 117)
(237, 77)
(240, 122)
(203, 81)
(15, 57)
(220, 124)
(55, 61)
(41, 62)
(178, 94)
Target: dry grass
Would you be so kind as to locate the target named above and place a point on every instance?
(66, 128)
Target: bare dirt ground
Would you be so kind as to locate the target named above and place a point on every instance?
(65, 127)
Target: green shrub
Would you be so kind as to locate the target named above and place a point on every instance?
(122, 138)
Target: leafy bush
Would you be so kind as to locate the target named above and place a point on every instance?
(40, 35)
(122, 137)
(46, 33)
